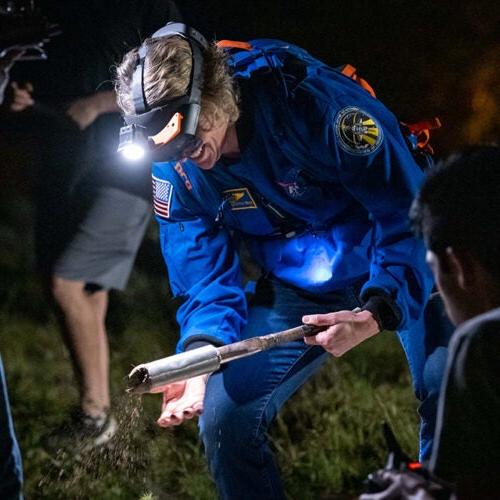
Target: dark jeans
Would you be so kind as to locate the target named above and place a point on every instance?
(244, 397)
(11, 474)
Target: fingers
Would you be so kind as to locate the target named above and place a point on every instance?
(176, 415)
(321, 338)
(346, 329)
(182, 401)
(328, 319)
(320, 319)
(21, 98)
(177, 412)
(332, 340)
(24, 90)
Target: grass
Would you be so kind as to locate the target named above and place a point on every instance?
(327, 438)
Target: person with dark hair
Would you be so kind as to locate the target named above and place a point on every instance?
(303, 165)
(457, 212)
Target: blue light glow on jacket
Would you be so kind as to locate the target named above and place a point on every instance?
(316, 208)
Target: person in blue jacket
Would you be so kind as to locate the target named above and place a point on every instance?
(300, 164)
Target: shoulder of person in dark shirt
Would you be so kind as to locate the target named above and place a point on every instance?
(468, 431)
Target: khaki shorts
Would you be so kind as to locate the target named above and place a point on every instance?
(105, 242)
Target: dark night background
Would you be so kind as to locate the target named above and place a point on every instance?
(424, 59)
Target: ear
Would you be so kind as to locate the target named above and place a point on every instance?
(462, 265)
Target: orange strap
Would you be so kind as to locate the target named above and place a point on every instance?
(432, 124)
(351, 72)
(422, 131)
(232, 44)
(414, 466)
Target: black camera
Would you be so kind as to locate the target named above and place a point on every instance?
(24, 28)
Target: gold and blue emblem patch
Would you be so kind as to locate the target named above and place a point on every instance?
(357, 131)
(239, 199)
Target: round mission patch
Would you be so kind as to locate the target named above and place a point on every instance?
(357, 131)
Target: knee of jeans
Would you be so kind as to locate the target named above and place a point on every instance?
(434, 370)
(228, 429)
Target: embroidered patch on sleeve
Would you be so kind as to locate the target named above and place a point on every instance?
(162, 196)
(357, 131)
(182, 174)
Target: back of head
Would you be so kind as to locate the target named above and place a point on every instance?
(459, 206)
(167, 71)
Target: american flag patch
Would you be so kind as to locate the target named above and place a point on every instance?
(162, 195)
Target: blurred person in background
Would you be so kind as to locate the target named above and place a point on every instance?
(92, 209)
(23, 31)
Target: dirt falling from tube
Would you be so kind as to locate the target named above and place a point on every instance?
(124, 454)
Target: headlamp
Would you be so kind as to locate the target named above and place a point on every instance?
(168, 131)
(133, 142)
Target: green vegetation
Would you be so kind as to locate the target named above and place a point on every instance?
(327, 439)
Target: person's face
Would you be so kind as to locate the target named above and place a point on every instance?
(448, 283)
(211, 148)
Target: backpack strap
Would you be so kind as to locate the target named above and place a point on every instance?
(262, 54)
(351, 72)
(246, 58)
(233, 44)
(418, 134)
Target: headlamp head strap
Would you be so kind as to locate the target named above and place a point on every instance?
(138, 95)
(198, 45)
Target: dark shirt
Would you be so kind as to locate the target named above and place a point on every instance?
(467, 445)
(95, 36)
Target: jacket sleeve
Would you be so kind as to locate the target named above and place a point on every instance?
(203, 268)
(368, 155)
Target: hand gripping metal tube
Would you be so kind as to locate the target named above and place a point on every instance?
(207, 359)
(149, 376)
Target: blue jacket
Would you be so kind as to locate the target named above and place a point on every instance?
(320, 196)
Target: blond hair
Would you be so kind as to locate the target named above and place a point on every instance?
(167, 69)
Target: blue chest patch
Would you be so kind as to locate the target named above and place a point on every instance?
(239, 199)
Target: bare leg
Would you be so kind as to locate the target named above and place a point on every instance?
(84, 320)
(99, 301)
